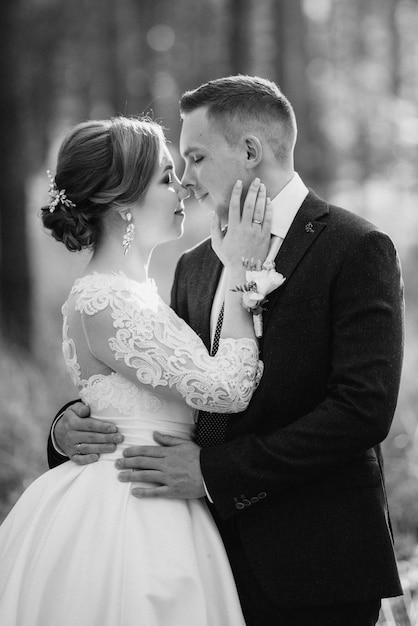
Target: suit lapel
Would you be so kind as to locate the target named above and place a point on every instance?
(211, 273)
(305, 229)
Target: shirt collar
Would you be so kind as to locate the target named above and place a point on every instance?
(286, 204)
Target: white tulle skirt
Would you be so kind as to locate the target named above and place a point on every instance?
(79, 550)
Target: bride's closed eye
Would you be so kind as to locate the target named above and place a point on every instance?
(197, 160)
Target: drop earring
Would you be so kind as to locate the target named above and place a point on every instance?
(129, 234)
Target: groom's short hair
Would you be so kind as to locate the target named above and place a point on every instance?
(234, 102)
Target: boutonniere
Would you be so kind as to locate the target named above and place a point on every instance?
(262, 279)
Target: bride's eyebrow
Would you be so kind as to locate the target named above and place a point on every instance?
(168, 168)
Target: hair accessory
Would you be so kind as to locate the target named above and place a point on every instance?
(57, 196)
(129, 235)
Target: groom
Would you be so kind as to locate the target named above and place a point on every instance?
(296, 482)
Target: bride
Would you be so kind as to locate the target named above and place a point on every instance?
(78, 548)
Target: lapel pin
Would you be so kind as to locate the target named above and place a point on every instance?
(309, 227)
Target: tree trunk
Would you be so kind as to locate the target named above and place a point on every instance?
(241, 42)
(15, 284)
(292, 57)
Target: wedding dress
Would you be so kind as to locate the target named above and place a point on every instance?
(78, 547)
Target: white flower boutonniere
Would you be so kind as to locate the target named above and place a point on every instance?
(262, 279)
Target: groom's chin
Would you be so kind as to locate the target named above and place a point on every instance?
(222, 213)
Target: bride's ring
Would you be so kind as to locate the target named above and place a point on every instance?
(78, 448)
(257, 222)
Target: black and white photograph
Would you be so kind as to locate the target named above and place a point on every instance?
(209, 313)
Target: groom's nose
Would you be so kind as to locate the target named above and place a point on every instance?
(187, 179)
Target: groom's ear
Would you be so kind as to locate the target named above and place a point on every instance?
(254, 150)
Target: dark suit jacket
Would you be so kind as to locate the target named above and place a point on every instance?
(300, 473)
(54, 457)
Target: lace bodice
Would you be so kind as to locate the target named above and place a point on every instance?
(124, 346)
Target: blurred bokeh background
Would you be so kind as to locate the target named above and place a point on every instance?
(350, 69)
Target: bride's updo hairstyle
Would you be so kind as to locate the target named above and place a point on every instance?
(103, 166)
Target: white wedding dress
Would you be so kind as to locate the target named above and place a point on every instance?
(78, 548)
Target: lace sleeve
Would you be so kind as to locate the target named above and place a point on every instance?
(135, 333)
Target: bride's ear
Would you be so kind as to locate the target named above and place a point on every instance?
(254, 150)
(125, 215)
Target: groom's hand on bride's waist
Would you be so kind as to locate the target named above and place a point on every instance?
(82, 438)
(172, 469)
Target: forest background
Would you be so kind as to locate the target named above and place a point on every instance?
(350, 69)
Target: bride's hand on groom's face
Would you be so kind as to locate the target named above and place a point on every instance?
(83, 438)
(172, 469)
(249, 229)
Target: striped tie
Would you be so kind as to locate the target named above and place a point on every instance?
(211, 427)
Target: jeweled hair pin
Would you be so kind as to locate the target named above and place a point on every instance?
(57, 196)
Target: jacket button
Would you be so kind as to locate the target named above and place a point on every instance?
(246, 502)
(254, 499)
(262, 495)
(239, 505)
